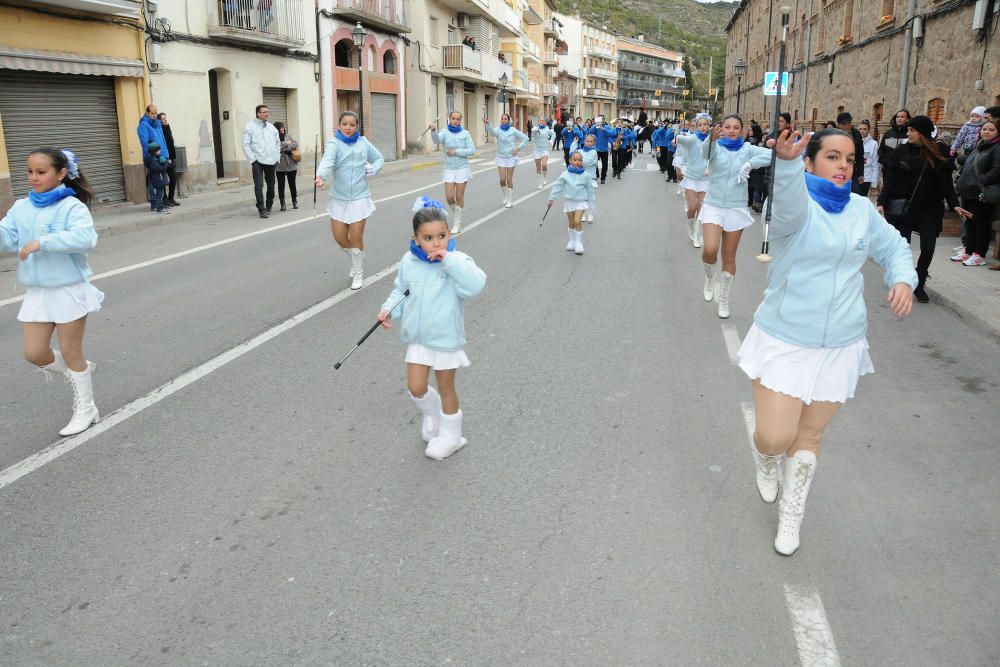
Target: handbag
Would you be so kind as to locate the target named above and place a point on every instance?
(295, 154)
(900, 208)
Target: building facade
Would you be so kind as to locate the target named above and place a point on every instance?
(444, 75)
(375, 71)
(523, 94)
(650, 78)
(592, 57)
(860, 56)
(211, 63)
(73, 75)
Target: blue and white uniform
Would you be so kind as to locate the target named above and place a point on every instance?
(346, 165)
(509, 139)
(725, 203)
(456, 167)
(541, 140)
(694, 161)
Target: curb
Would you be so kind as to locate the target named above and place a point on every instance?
(964, 313)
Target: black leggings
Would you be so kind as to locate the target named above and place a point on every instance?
(290, 177)
(980, 227)
(927, 223)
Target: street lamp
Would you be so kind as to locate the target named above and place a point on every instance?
(741, 68)
(503, 89)
(359, 34)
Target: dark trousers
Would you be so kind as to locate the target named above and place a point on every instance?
(262, 173)
(603, 157)
(290, 177)
(980, 228)
(927, 223)
(555, 144)
(566, 154)
(172, 187)
(671, 172)
(661, 158)
(861, 188)
(155, 193)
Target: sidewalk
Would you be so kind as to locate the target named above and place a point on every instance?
(114, 220)
(972, 292)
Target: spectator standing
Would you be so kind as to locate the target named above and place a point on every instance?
(871, 171)
(968, 136)
(846, 123)
(893, 138)
(262, 147)
(168, 136)
(981, 170)
(288, 166)
(150, 131)
(156, 176)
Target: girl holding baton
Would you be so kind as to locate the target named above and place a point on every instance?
(695, 181)
(541, 136)
(510, 140)
(458, 148)
(577, 187)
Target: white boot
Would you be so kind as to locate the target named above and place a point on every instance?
(510, 198)
(430, 407)
(503, 195)
(724, 287)
(709, 290)
(545, 177)
(768, 469)
(578, 242)
(697, 240)
(449, 439)
(84, 411)
(456, 227)
(350, 272)
(571, 246)
(691, 229)
(357, 268)
(58, 365)
(799, 472)
(541, 182)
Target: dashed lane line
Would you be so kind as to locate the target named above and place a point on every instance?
(813, 636)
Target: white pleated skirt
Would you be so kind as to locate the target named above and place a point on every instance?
(730, 219)
(696, 184)
(538, 156)
(679, 162)
(507, 161)
(569, 206)
(350, 212)
(439, 360)
(60, 304)
(808, 374)
(463, 175)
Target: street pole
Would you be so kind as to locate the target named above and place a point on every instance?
(361, 96)
(739, 83)
(904, 73)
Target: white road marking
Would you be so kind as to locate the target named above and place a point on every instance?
(233, 239)
(732, 338)
(651, 166)
(813, 636)
(28, 465)
(750, 419)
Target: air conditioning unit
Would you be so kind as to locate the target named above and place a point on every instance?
(463, 20)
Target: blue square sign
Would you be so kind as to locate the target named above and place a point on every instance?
(771, 83)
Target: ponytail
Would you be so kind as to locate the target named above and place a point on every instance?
(74, 179)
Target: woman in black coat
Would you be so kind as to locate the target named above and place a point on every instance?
(981, 169)
(919, 172)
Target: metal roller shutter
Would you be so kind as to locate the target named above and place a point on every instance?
(277, 104)
(71, 111)
(383, 136)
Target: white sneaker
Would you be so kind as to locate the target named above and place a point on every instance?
(430, 407)
(974, 260)
(768, 473)
(449, 439)
(578, 246)
(571, 246)
(959, 249)
(724, 286)
(799, 472)
(357, 268)
(85, 413)
(960, 255)
(708, 291)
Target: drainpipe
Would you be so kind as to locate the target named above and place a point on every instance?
(805, 73)
(904, 74)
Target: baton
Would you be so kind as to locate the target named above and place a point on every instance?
(315, 167)
(547, 209)
(427, 128)
(375, 326)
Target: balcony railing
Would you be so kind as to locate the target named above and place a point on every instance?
(530, 50)
(123, 8)
(510, 18)
(550, 89)
(598, 52)
(599, 92)
(550, 28)
(268, 22)
(551, 58)
(599, 73)
(460, 56)
(390, 15)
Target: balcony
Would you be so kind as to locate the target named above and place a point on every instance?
(387, 15)
(550, 28)
(530, 51)
(461, 57)
(123, 8)
(510, 19)
(240, 21)
(550, 89)
(599, 52)
(550, 59)
(599, 92)
(598, 73)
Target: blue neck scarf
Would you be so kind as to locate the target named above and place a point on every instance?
(831, 197)
(43, 199)
(587, 148)
(453, 129)
(419, 253)
(543, 127)
(574, 170)
(731, 144)
(348, 140)
(701, 135)
(505, 126)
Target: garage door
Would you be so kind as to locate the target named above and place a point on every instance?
(383, 131)
(71, 111)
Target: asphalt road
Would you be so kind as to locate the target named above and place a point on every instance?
(249, 505)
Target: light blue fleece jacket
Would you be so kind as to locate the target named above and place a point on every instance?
(815, 290)
(542, 139)
(575, 187)
(723, 190)
(507, 141)
(589, 159)
(694, 161)
(433, 315)
(461, 142)
(66, 233)
(346, 164)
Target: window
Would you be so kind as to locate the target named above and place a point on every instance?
(432, 31)
(848, 21)
(877, 112)
(887, 11)
(389, 63)
(815, 115)
(935, 109)
(371, 58)
(343, 53)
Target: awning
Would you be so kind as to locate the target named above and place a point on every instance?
(58, 62)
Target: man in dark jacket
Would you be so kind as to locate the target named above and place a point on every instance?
(168, 135)
(893, 138)
(846, 123)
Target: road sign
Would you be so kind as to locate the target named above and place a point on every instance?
(771, 83)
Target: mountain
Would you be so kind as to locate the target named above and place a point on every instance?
(694, 28)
